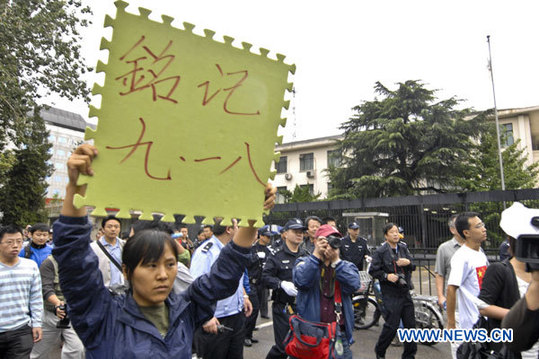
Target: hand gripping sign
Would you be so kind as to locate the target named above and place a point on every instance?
(187, 124)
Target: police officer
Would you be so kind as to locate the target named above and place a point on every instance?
(354, 248)
(392, 266)
(229, 312)
(277, 275)
(258, 294)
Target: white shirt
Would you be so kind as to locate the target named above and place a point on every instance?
(468, 268)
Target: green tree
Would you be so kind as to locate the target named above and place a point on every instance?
(39, 55)
(23, 193)
(300, 194)
(485, 174)
(405, 143)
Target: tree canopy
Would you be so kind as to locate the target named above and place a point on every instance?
(406, 142)
(39, 55)
(485, 174)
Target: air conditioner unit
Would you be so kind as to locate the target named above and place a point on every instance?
(288, 176)
(310, 174)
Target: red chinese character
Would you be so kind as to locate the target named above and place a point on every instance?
(230, 90)
(146, 73)
(134, 147)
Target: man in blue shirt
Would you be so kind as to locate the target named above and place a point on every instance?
(212, 342)
(37, 249)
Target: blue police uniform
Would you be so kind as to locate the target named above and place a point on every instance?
(229, 311)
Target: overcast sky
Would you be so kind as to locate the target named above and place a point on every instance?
(341, 48)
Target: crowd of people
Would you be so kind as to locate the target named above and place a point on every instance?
(152, 291)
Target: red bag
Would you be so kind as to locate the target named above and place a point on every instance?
(311, 340)
(315, 340)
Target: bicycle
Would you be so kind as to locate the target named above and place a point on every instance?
(368, 308)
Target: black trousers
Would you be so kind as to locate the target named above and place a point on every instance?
(16, 344)
(251, 320)
(397, 307)
(223, 345)
(280, 329)
(263, 300)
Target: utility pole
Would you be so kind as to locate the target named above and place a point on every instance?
(496, 117)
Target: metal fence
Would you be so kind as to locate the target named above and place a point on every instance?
(423, 218)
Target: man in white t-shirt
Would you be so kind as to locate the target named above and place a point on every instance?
(468, 266)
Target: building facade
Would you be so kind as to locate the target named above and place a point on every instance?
(305, 163)
(66, 132)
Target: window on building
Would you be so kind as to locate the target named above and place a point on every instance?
(310, 187)
(57, 179)
(334, 158)
(52, 138)
(507, 134)
(59, 165)
(62, 139)
(60, 153)
(282, 165)
(279, 196)
(306, 162)
(330, 187)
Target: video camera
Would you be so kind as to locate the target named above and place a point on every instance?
(527, 247)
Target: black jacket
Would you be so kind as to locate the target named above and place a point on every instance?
(383, 263)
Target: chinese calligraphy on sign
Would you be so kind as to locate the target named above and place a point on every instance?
(187, 125)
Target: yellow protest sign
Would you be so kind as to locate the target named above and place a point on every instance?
(187, 124)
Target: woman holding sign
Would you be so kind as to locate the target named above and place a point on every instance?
(149, 319)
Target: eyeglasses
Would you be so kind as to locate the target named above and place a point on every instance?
(10, 242)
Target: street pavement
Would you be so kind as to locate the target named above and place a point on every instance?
(363, 348)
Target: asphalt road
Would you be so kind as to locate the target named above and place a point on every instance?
(363, 348)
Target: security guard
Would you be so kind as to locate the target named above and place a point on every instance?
(258, 294)
(354, 248)
(229, 312)
(277, 275)
(392, 266)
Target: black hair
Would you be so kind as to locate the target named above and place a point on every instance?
(328, 219)
(109, 218)
(39, 227)
(181, 225)
(146, 246)
(512, 242)
(312, 218)
(200, 231)
(388, 226)
(208, 226)
(9, 229)
(155, 225)
(217, 228)
(462, 222)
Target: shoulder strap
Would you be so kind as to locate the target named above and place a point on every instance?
(28, 250)
(111, 258)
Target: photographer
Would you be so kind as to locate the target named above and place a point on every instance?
(56, 326)
(523, 317)
(392, 266)
(316, 276)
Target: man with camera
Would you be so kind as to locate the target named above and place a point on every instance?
(316, 277)
(55, 320)
(392, 266)
(523, 317)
